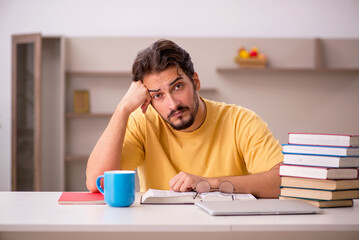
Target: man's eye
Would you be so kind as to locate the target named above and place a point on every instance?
(178, 86)
(156, 96)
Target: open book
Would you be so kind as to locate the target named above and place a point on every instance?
(153, 196)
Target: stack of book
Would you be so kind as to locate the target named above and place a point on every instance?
(321, 169)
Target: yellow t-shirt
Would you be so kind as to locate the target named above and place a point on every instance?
(232, 141)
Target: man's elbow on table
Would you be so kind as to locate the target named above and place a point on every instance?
(91, 184)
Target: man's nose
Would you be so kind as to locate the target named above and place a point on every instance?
(172, 102)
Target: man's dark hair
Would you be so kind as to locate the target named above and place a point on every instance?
(159, 56)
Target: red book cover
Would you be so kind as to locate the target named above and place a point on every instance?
(81, 198)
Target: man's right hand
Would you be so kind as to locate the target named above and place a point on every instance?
(137, 95)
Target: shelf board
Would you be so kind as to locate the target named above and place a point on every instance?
(87, 115)
(73, 158)
(283, 70)
(98, 73)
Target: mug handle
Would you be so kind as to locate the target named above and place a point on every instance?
(98, 184)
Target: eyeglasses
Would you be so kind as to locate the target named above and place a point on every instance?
(225, 188)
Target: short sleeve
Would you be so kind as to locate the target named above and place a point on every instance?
(260, 149)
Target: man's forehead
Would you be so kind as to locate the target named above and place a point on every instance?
(164, 79)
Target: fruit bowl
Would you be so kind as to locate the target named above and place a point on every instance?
(251, 59)
(252, 62)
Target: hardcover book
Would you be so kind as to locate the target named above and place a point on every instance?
(321, 161)
(317, 172)
(324, 203)
(321, 150)
(324, 139)
(319, 194)
(319, 183)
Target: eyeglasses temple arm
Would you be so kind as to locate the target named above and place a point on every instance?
(195, 196)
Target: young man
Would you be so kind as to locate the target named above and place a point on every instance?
(175, 138)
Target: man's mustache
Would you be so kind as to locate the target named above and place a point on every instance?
(179, 108)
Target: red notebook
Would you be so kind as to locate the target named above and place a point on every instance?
(84, 198)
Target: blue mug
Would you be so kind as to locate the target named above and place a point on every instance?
(119, 187)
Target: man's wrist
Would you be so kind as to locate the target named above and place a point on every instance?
(123, 109)
(214, 182)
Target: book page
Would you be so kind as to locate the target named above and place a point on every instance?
(244, 196)
(164, 193)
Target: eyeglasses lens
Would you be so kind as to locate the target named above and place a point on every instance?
(203, 187)
(226, 187)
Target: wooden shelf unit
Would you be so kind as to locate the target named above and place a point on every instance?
(37, 116)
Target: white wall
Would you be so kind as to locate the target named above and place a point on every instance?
(162, 18)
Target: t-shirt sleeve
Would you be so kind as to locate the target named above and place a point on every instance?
(133, 147)
(260, 149)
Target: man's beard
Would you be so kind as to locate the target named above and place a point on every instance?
(184, 124)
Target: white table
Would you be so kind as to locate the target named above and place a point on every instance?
(37, 215)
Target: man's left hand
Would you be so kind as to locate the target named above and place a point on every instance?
(184, 182)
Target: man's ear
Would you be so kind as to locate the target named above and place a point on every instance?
(197, 82)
